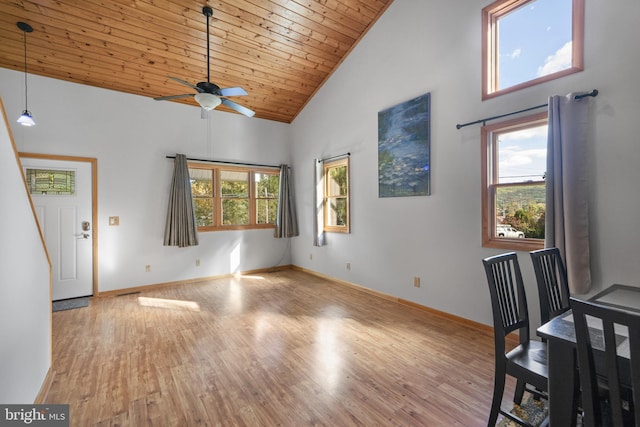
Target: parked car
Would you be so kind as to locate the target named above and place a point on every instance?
(505, 230)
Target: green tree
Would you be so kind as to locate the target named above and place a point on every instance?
(235, 203)
(523, 207)
(338, 176)
(267, 190)
(202, 192)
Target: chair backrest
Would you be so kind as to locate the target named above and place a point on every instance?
(602, 358)
(553, 288)
(508, 298)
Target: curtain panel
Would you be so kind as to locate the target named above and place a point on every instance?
(567, 208)
(318, 203)
(287, 217)
(180, 229)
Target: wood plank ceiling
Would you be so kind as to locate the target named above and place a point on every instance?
(279, 51)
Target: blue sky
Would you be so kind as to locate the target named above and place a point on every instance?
(534, 40)
(523, 155)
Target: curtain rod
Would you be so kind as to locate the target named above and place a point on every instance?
(334, 157)
(228, 163)
(593, 93)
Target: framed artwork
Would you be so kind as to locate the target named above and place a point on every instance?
(404, 144)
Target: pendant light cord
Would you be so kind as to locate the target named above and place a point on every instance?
(208, 64)
(26, 97)
(26, 28)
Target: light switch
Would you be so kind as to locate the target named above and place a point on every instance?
(114, 220)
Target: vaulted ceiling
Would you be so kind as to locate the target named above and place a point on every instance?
(279, 51)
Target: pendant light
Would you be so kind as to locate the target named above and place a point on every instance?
(25, 119)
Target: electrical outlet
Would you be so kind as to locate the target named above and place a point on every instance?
(348, 266)
(197, 263)
(416, 281)
(310, 256)
(147, 268)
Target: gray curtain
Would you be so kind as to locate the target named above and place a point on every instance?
(287, 218)
(567, 210)
(318, 202)
(180, 229)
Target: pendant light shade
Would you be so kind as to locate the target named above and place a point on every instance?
(26, 119)
(208, 101)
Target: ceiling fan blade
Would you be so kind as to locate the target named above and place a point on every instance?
(239, 108)
(233, 91)
(185, 83)
(164, 98)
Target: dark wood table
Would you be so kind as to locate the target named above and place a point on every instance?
(561, 346)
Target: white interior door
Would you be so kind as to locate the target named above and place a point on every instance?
(62, 195)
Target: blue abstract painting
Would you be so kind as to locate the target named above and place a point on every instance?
(404, 149)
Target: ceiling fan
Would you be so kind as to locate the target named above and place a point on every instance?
(210, 95)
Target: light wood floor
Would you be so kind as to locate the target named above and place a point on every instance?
(277, 349)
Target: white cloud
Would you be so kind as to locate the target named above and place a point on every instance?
(560, 60)
(523, 154)
(530, 133)
(517, 157)
(522, 165)
(516, 53)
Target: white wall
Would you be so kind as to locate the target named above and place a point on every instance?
(418, 46)
(25, 300)
(421, 46)
(131, 137)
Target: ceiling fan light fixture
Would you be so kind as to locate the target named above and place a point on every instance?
(26, 119)
(208, 101)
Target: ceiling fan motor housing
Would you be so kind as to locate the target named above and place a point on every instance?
(209, 87)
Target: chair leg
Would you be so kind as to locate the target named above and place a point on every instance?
(520, 387)
(498, 391)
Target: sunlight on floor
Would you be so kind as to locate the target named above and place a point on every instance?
(235, 297)
(329, 362)
(168, 303)
(244, 276)
(268, 336)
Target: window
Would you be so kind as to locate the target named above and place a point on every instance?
(234, 192)
(51, 182)
(336, 196)
(267, 187)
(527, 42)
(228, 198)
(514, 162)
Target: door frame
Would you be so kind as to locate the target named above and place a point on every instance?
(94, 201)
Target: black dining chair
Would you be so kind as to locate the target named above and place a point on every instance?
(601, 367)
(527, 362)
(553, 287)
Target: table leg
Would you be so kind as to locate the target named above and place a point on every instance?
(563, 384)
